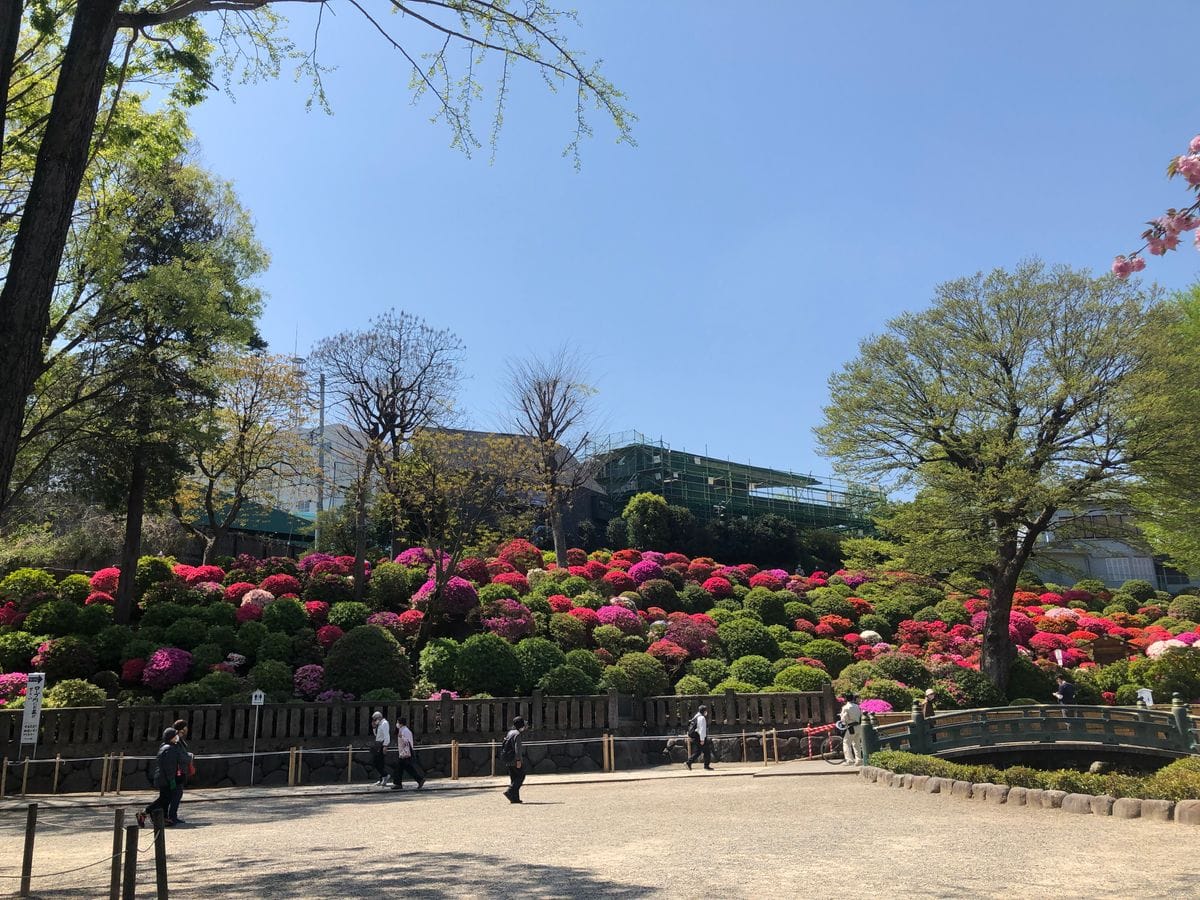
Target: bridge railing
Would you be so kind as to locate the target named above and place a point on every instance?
(1172, 733)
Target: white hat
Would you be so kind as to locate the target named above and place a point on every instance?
(928, 692)
(376, 715)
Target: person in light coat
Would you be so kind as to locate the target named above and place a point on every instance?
(851, 720)
(383, 739)
(698, 731)
(406, 757)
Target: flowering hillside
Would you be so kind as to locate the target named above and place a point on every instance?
(644, 623)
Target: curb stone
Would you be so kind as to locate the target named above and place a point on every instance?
(1158, 810)
(1017, 796)
(1102, 805)
(960, 789)
(1053, 799)
(997, 793)
(1080, 804)
(1127, 808)
(1187, 812)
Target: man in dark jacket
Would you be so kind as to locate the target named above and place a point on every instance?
(512, 754)
(1065, 694)
(181, 729)
(167, 766)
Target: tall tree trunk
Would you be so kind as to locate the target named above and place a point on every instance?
(46, 219)
(135, 509)
(10, 32)
(210, 545)
(558, 528)
(998, 651)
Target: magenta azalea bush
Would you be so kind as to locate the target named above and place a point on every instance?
(309, 681)
(166, 668)
(458, 597)
(12, 686)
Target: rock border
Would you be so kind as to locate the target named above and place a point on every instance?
(1184, 812)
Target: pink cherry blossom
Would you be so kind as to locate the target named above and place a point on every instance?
(1137, 264)
(1122, 267)
(1189, 168)
(1194, 146)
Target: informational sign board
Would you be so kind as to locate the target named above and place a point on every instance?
(1146, 696)
(257, 698)
(33, 707)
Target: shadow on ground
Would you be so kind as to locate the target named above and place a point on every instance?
(343, 873)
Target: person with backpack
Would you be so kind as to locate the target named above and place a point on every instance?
(164, 775)
(512, 755)
(850, 718)
(383, 737)
(186, 771)
(406, 757)
(698, 732)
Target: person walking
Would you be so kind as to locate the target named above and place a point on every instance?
(928, 711)
(187, 770)
(165, 776)
(850, 718)
(698, 731)
(406, 757)
(512, 754)
(1065, 694)
(383, 738)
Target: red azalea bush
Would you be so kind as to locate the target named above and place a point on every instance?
(106, 580)
(765, 580)
(99, 597)
(521, 555)
(248, 612)
(328, 635)
(131, 671)
(318, 612)
(617, 582)
(588, 617)
(669, 654)
(236, 591)
(560, 603)
(515, 580)
(719, 586)
(281, 584)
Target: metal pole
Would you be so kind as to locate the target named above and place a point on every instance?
(27, 857)
(114, 877)
(160, 855)
(120, 772)
(3, 777)
(57, 765)
(129, 888)
(349, 761)
(320, 464)
(493, 758)
(25, 776)
(104, 775)
(253, 745)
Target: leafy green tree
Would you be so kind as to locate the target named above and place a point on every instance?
(1000, 404)
(648, 517)
(111, 42)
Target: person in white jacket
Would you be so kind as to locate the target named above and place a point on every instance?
(406, 757)
(383, 738)
(698, 732)
(851, 719)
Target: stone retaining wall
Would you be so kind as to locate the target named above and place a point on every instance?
(1185, 812)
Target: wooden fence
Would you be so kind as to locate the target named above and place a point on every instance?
(229, 727)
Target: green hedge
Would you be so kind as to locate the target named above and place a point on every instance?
(1178, 781)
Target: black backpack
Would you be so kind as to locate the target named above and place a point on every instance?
(508, 749)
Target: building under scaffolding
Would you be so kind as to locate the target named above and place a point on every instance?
(629, 463)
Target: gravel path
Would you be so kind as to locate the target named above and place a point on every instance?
(695, 836)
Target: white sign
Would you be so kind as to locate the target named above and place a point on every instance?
(33, 707)
(257, 698)
(1146, 696)
(1058, 655)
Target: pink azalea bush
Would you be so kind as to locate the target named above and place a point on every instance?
(166, 668)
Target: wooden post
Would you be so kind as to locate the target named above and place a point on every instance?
(104, 776)
(349, 761)
(129, 885)
(775, 738)
(604, 750)
(299, 766)
(745, 756)
(57, 766)
(3, 778)
(160, 855)
(454, 760)
(493, 758)
(120, 772)
(612, 753)
(27, 855)
(766, 760)
(25, 776)
(114, 876)
(291, 766)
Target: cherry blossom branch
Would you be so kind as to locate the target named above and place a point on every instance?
(1165, 231)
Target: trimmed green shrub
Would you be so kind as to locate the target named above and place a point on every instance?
(75, 588)
(152, 570)
(568, 631)
(187, 633)
(690, 685)
(754, 670)
(835, 655)
(903, 668)
(890, 691)
(272, 676)
(74, 692)
(615, 679)
(57, 618)
(68, 657)
(877, 623)
(855, 675)
(162, 615)
(732, 684)
(275, 646)
(249, 636)
(347, 615)
(769, 606)
(1028, 680)
(1179, 780)
(694, 598)
(586, 661)
(488, 663)
(1185, 606)
(108, 645)
(608, 637)
(745, 637)
(223, 636)
(1142, 591)
(367, 658)
(382, 695)
(220, 615)
(709, 670)
(789, 650)
(392, 586)
(204, 657)
(286, 616)
(801, 678)
(658, 592)
(93, 619)
(952, 612)
(25, 584)
(538, 656)
(647, 676)
(331, 589)
(438, 660)
(966, 688)
(490, 593)
(223, 685)
(827, 604)
(565, 680)
(190, 694)
(1176, 671)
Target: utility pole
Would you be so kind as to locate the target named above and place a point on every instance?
(320, 461)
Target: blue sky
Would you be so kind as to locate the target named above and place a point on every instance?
(804, 172)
